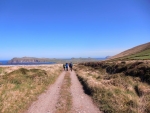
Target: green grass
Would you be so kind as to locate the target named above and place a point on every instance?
(144, 55)
(1, 70)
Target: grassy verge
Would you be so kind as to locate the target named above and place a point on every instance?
(115, 93)
(65, 100)
(21, 86)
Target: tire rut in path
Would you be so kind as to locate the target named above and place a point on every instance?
(82, 103)
(46, 102)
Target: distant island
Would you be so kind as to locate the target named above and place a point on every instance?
(46, 60)
(107, 57)
(28, 60)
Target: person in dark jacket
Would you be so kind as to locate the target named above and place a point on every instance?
(70, 66)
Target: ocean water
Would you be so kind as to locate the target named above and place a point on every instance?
(5, 62)
(100, 58)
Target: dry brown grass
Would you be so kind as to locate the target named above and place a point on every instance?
(64, 103)
(115, 93)
(20, 85)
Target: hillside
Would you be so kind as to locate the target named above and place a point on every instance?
(138, 52)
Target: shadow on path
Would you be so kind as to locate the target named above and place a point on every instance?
(85, 88)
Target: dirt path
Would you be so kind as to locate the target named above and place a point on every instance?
(82, 103)
(48, 101)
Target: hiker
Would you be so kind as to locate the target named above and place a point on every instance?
(66, 66)
(70, 66)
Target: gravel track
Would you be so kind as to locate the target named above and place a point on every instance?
(81, 102)
(46, 101)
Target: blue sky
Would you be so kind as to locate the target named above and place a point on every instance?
(72, 28)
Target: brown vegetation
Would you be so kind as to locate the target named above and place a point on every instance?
(20, 85)
(117, 87)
